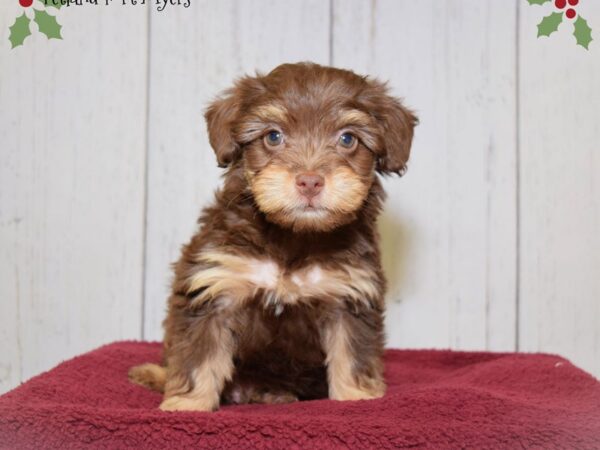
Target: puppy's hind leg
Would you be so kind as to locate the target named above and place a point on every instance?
(149, 375)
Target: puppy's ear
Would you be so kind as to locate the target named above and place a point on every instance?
(397, 128)
(223, 114)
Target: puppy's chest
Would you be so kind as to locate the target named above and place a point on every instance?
(236, 278)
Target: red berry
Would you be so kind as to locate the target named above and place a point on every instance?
(560, 4)
(25, 3)
(573, 2)
(571, 13)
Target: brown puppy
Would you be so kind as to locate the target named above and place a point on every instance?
(279, 296)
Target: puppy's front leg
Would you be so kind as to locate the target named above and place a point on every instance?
(200, 364)
(353, 344)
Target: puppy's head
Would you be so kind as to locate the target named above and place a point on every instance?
(309, 140)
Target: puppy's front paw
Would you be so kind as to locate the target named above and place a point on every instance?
(182, 403)
(368, 391)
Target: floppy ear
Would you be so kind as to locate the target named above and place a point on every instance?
(397, 128)
(222, 115)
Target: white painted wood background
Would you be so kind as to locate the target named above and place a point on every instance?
(491, 240)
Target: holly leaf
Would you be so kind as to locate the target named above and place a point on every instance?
(19, 31)
(533, 2)
(56, 5)
(47, 24)
(583, 33)
(549, 24)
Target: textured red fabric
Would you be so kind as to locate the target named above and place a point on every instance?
(435, 399)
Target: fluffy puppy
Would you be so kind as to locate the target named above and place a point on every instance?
(280, 294)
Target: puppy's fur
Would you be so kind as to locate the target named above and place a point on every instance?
(279, 296)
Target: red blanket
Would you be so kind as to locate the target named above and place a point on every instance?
(435, 399)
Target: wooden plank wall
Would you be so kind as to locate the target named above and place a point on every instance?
(490, 240)
(559, 211)
(72, 138)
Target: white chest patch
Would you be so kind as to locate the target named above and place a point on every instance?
(264, 274)
(314, 275)
(238, 278)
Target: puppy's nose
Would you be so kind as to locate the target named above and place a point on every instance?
(309, 184)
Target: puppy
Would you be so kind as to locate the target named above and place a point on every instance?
(280, 294)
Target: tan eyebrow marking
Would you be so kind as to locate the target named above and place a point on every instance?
(271, 112)
(353, 117)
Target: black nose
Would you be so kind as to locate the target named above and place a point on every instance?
(309, 184)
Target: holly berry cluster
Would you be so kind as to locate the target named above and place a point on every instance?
(550, 24)
(562, 4)
(46, 23)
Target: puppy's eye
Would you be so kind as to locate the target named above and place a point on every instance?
(273, 138)
(348, 141)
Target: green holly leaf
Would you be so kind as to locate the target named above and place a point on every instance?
(19, 31)
(549, 24)
(56, 5)
(583, 33)
(533, 2)
(47, 24)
